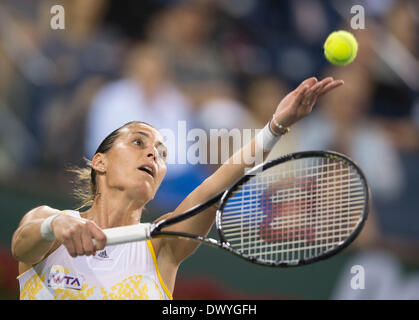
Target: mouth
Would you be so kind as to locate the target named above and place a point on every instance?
(147, 169)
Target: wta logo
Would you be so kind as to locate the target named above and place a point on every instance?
(58, 278)
(289, 208)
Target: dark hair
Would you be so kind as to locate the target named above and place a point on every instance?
(86, 188)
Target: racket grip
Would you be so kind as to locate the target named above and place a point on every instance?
(125, 234)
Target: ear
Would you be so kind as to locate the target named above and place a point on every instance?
(99, 162)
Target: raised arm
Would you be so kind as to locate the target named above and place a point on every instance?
(296, 105)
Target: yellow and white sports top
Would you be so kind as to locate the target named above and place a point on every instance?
(121, 272)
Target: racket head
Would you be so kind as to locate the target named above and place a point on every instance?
(303, 242)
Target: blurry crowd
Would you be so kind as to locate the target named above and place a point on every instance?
(214, 64)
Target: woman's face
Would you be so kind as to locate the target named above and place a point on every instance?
(136, 163)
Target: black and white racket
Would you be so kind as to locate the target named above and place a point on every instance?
(295, 210)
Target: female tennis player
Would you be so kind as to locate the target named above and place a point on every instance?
(63, 254)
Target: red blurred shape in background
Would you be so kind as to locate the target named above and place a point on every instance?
(9, 288)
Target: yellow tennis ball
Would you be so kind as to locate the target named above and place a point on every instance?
(340, 48)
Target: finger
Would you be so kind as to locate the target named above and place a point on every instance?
(98, 235)
(68, 243)
(310, 94)
(87, 242)
(322, 84)
(313, 93)
(318, 86)
(77, 242)
(301, 95)
(331, 86)
(326, 81)
(308, 82)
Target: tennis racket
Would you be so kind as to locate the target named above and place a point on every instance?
(295, 210)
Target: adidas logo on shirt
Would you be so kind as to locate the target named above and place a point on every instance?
(102, 254)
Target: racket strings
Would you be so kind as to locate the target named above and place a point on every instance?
(356, 194)
(295, 210)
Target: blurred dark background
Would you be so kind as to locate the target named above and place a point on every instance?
(216, 64)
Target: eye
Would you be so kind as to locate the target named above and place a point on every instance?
(162, 152)
(139, 142)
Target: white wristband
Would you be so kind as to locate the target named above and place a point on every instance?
(46, 230)
(267, 139)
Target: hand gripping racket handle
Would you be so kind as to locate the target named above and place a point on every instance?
(125, 234)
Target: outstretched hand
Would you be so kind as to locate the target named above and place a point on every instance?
(299, 102)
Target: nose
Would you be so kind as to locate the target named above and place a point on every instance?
(151, 152)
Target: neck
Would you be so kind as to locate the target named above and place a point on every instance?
(113, 208)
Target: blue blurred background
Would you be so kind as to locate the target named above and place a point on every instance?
(216, 64)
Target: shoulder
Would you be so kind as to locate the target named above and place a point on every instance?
(38, 213)
(32, 215)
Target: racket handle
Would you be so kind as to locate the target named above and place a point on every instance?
(137, 232)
